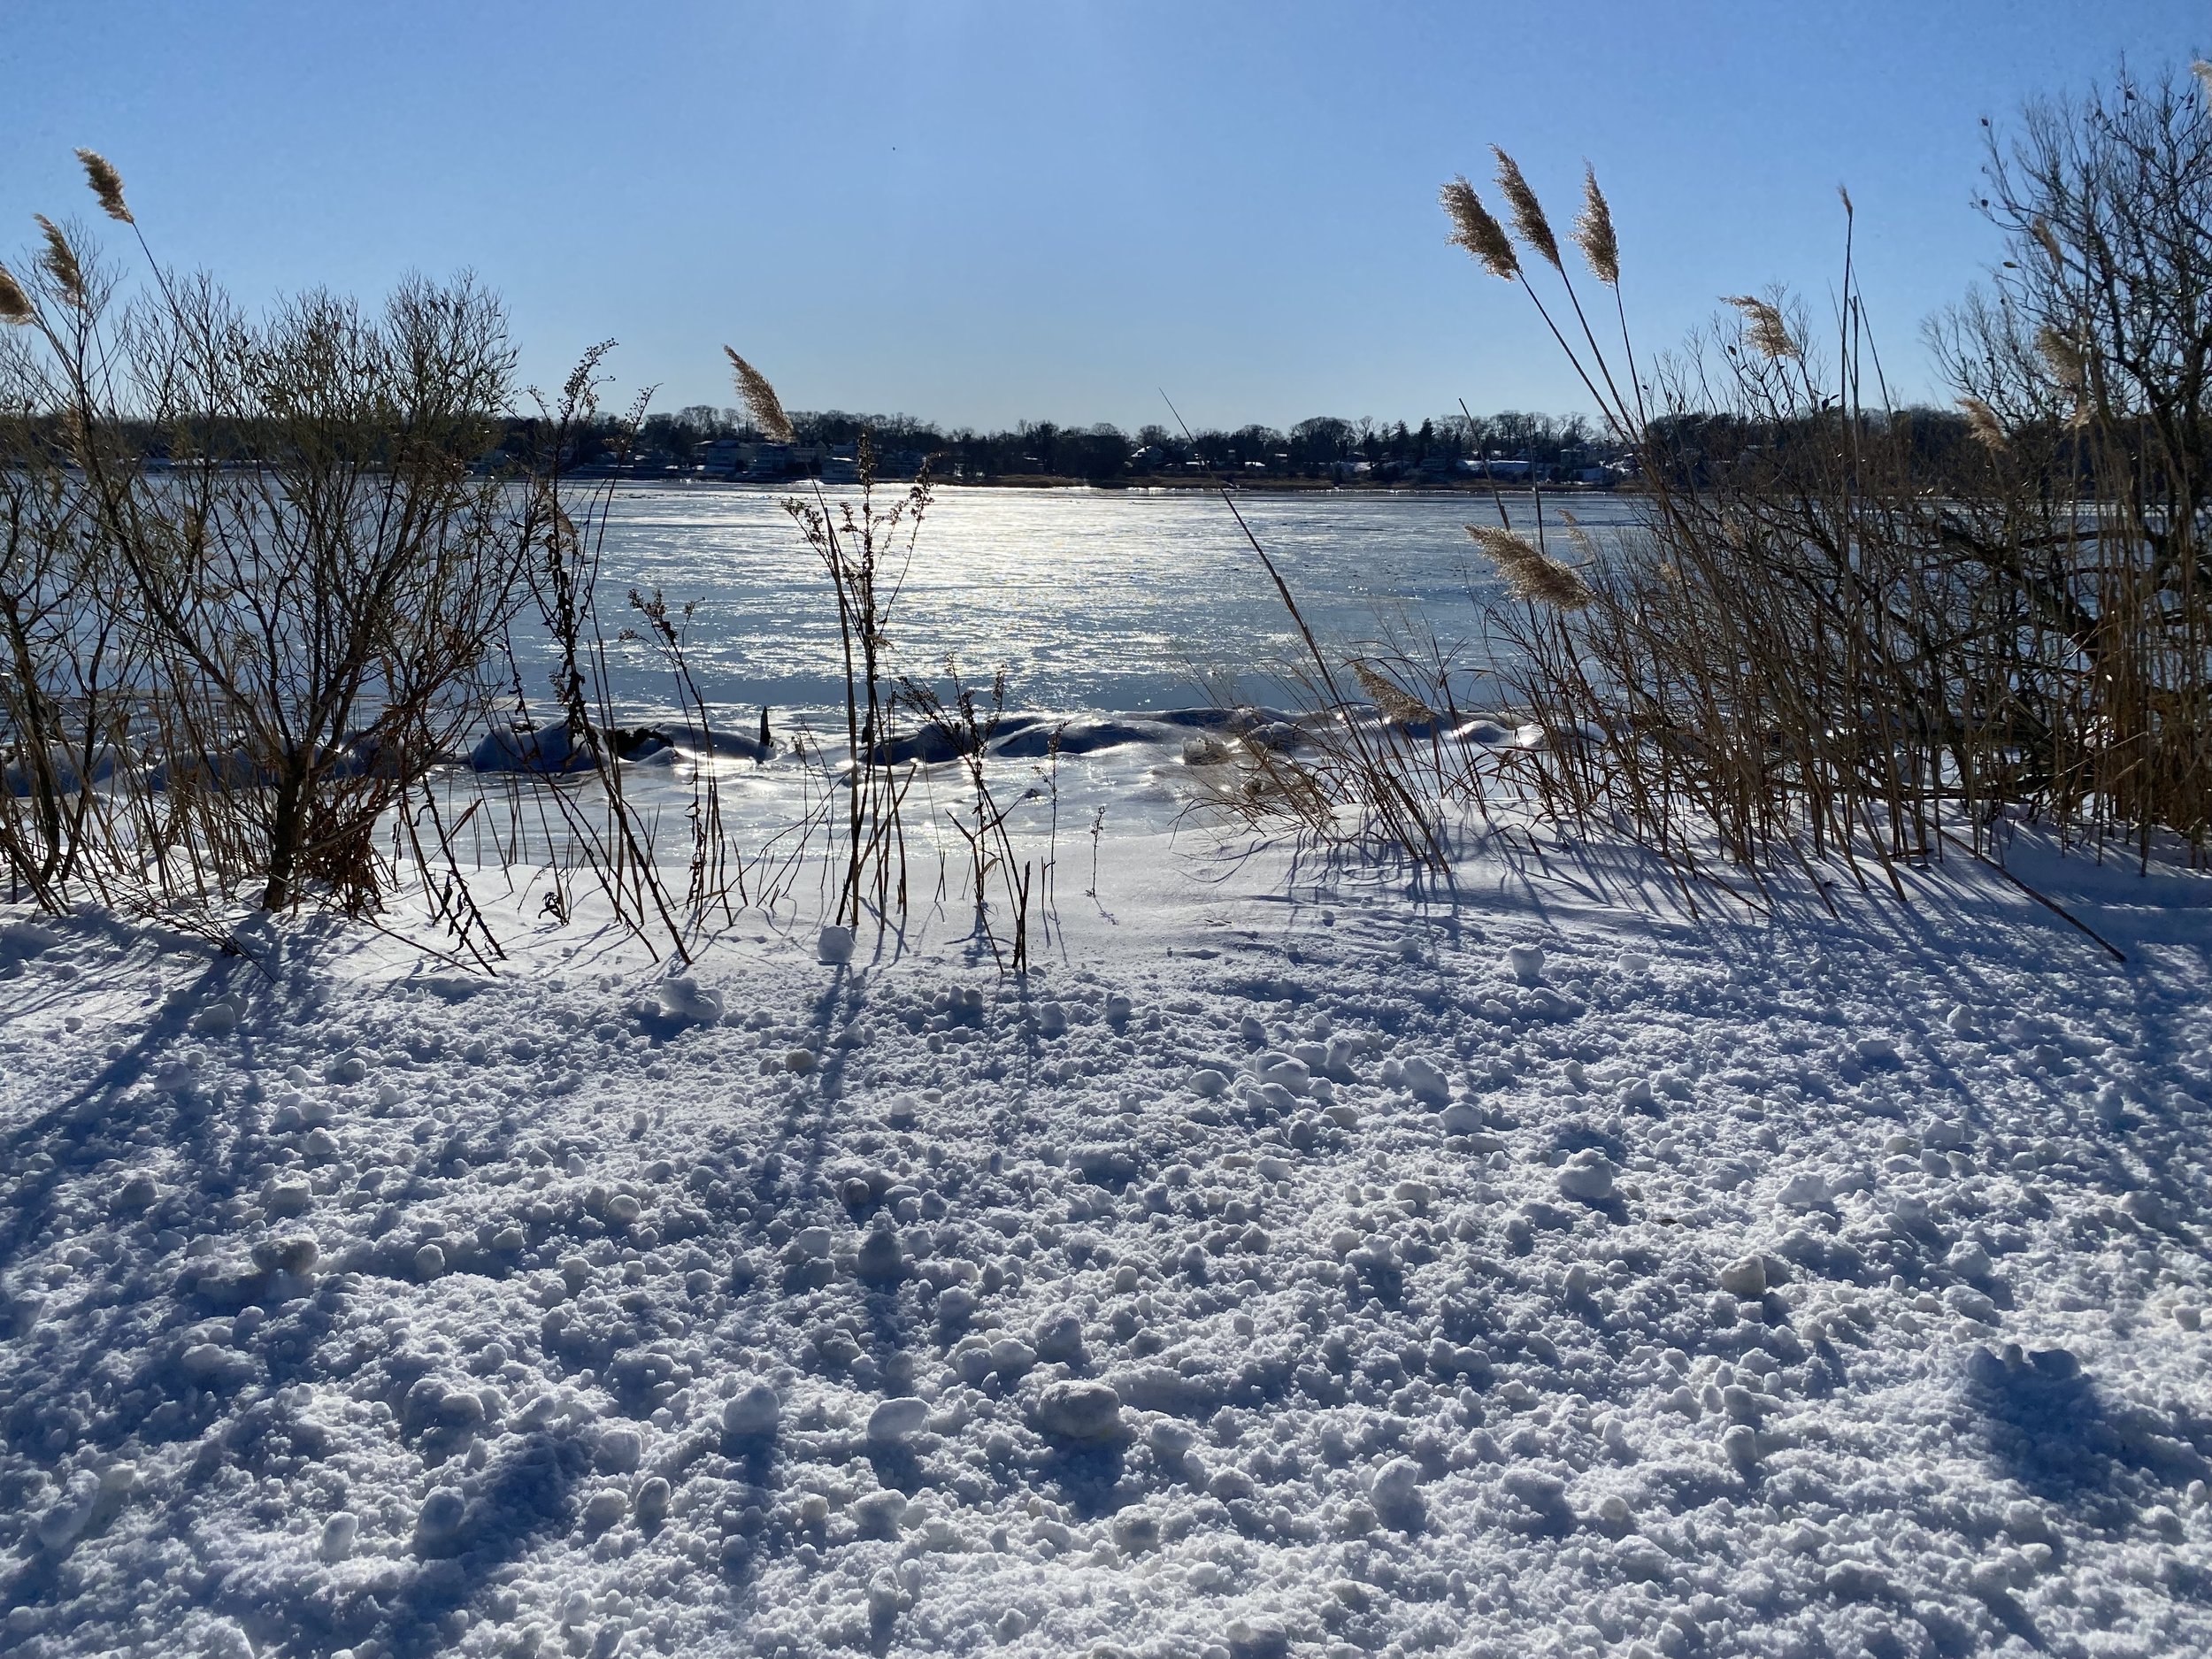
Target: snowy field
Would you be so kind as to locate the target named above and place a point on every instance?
(1298, 1263)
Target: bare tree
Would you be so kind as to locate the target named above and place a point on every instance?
(2091, 353)
(278, 528)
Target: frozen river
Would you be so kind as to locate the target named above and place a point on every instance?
(1091, 600)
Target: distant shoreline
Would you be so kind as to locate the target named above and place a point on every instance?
(1285, 486)
(1255, 486)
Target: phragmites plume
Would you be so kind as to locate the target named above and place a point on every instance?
(1531, 575)
(2043, 233)
(1763, 327)
(1474, 230)
(15, 305)
(1528, 214)
(1583, 542)
(761, 402)
(2062, 357)
(107, 184)
(1395, 702)
(1981, 421)
(60, 260)
(1594, 231)
(2202, 71)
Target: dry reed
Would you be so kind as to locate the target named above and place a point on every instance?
(1529, 573)
(60, 261)
(1593, 232)
(1981, 420)
(1764, 328)
(107, 185)
(1529, 222)
(1843, 628)
(1474, 229)
(761, 402)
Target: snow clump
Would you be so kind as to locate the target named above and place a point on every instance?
(1587, 1175)
(683, 1000)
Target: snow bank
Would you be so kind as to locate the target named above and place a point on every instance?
(1366, 1274)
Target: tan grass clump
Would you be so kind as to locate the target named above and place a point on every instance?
(107, 185)
(1531, 574)
(761, 402)
(2062, 357)
(1474, 229)
(2042, 232)
(1763, 327)
(15, 305)
(1580, 537)
(1981, 421)
(1593, 232)
(1528, 214)
(60, 260)
(1395, 702)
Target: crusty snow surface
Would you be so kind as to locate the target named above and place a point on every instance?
(1296, 1263)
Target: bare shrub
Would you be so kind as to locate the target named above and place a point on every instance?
(72, 666)
(967, 719)
(1843, 626)
(255, 575)
(2093, 349)
(1345, 760)
(564, 737)
(323, 571)
(865, 549)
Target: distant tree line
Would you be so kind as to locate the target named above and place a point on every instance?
(1322, 446)
(1701, 449)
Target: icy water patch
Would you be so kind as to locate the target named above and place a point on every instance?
(1093, 600)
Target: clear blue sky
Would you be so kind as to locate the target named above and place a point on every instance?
(980, 212)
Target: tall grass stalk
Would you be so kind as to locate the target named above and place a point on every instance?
(1844, 628)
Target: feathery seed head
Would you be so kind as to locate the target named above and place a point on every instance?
(2202, 71)
(1474, 230)
(1583, 543)
(60, 260)
(2043, 233)
(2063, 358)
(1529, 222)
(15, 305)
(1981, 421)
(761, 402)
(1763, 327)
(1594, 231)
(107, 184)
(1528, 573)
(1393, 699)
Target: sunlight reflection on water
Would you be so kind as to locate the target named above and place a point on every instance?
(1092, 600)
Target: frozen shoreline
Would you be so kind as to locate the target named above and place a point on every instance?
(1717, 1284)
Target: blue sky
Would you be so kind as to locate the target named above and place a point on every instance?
(981, 212)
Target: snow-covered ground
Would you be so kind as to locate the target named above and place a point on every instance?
(1299, 1262)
